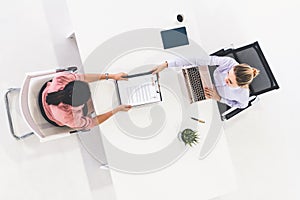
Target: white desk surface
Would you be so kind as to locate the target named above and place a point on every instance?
(189, 177)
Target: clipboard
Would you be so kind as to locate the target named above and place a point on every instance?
(139, 89)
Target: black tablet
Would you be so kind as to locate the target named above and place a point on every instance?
(174, 37)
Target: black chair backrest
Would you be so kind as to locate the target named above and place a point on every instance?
(252, 55)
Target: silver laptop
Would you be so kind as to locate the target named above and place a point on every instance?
(196, 78)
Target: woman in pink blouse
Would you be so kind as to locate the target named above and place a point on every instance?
(66, 100)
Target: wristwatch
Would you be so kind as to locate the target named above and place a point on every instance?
(106, 76)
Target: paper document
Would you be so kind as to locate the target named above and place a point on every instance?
(140, 89)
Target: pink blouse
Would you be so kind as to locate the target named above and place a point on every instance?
(64, 114)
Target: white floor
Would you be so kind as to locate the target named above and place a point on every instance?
(263, 141)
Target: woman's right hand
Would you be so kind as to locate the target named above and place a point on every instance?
(121, 108)
(159, 68)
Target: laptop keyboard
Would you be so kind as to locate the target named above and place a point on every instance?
(196, 84)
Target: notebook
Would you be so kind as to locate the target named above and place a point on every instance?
(196, 78)
(139, 89)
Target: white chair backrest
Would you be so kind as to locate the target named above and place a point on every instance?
(30, 107)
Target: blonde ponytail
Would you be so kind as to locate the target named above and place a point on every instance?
(245, 74)
(255, 72)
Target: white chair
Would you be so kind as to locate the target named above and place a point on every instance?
(30, 109)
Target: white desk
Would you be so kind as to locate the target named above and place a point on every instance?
(188, 177)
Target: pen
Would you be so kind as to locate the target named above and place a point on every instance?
(198, 120)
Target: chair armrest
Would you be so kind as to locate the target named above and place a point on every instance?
(233, 111)
(71, 68)
(49, 72)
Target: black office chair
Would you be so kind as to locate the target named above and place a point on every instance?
(264, 82)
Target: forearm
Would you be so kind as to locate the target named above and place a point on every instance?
(103, 117)
(97, 77)
(164, 65)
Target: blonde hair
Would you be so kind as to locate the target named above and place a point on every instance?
(245, 74)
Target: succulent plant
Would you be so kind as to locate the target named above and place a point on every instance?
(189, 137)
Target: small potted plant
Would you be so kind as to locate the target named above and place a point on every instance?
(188, 136)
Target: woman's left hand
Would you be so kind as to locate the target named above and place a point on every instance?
(211, 93)
(120, 76)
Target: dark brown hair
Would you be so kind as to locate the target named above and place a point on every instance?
(75, 93)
